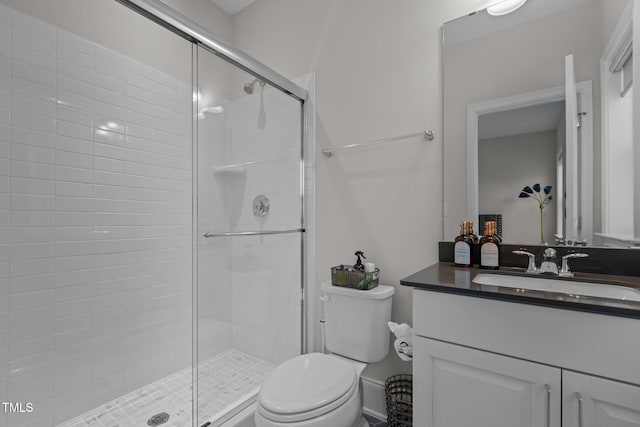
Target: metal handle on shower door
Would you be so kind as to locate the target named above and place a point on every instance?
(253, 233)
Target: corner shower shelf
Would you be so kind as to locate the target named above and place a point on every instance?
(240, 168)
(233, 169)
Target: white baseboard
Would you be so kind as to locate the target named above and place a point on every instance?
(374, 403)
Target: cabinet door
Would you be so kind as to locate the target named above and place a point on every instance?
(457, 386)
(604, 402)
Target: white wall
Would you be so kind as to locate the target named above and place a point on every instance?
(523, 59)
(505, 166)
(377, 66)
(611, 12)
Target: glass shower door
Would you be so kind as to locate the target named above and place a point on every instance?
(95, 216)
(249, 221)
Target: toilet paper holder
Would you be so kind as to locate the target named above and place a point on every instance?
(405, 348)
(403, 345)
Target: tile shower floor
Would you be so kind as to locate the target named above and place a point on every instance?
(225, 381)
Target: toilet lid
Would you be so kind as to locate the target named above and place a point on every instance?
(306, 383)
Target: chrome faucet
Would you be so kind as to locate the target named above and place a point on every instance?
(564, 270)
(531, 268)
(549, 265)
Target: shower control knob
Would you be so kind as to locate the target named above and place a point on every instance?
(261, 206)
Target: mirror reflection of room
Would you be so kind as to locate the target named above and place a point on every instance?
(506, 127)
(527, 144)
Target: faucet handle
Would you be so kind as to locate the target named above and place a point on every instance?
(549, 254)
(531, 268)
(564, 270)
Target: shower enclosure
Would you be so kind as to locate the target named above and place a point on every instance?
(153, 217)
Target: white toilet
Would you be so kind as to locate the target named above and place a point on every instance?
(325, 390)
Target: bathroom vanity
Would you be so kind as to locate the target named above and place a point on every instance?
(503, 356)
(511, 349)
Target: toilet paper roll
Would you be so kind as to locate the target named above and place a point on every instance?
(369, 267)
(400, 330)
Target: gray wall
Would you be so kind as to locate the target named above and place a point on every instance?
(505, 166)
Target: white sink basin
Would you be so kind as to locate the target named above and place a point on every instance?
(569, 287)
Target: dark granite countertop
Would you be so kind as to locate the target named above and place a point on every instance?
(445, 277)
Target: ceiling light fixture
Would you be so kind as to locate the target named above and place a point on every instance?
(505, 7)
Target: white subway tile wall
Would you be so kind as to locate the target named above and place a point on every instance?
(95, 222)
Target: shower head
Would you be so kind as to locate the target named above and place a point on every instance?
(248, 87)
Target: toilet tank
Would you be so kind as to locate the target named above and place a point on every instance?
(356, 321)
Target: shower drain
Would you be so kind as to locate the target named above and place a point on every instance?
(158, 419)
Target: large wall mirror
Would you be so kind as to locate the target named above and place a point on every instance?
(538, 123)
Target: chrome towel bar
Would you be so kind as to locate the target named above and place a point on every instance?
(428, 135)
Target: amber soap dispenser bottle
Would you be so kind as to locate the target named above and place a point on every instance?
(473, 240)
(462, 247)
(490, 247)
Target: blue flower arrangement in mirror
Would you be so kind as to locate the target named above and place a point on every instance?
(542, 199)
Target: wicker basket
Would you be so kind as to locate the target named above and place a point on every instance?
(399, 398)
(347, 277)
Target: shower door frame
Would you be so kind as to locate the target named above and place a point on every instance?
(184, 27)
(172, 20)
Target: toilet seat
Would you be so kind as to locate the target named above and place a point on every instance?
(307, 387)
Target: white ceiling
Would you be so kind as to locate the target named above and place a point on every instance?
(539, 118)
(232, 6)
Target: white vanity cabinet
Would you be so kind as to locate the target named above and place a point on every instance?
(589, 401)
(456, 386)
(487, 363)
